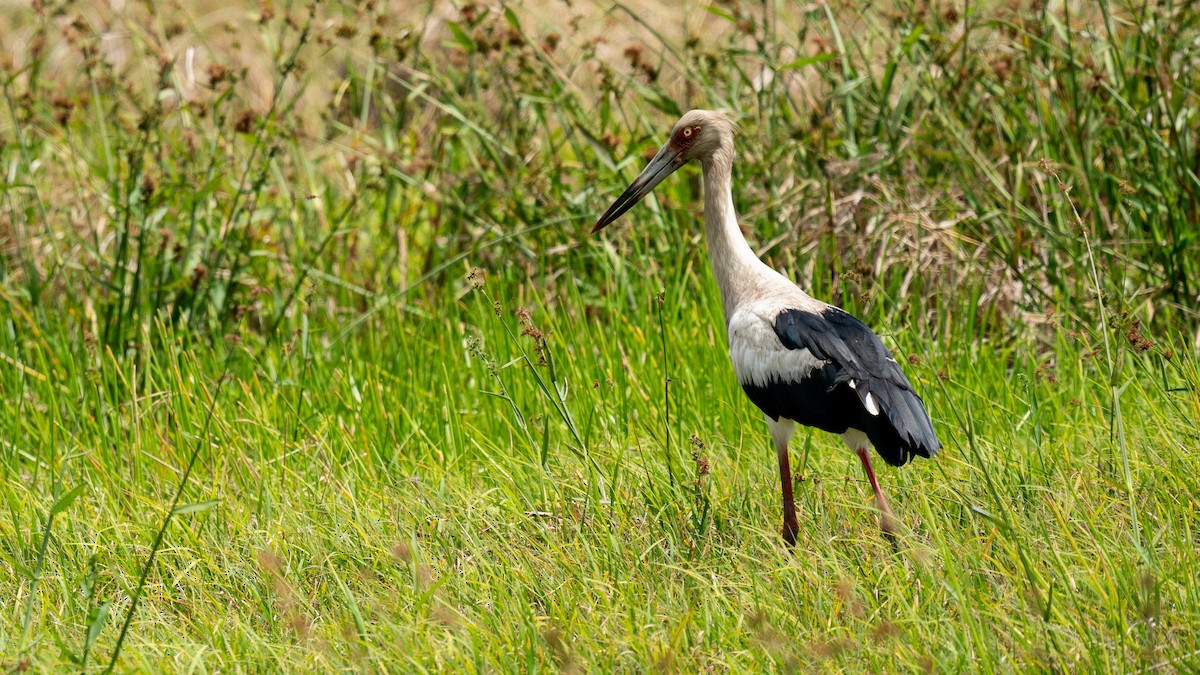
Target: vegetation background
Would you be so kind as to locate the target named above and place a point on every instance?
(308, 361)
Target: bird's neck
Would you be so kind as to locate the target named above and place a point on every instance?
(733, 262)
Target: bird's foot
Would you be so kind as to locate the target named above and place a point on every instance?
(789, 532)
(888, 523)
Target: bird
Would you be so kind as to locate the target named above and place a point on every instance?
(798, 359)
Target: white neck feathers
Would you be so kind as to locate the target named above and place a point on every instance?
(734, 264)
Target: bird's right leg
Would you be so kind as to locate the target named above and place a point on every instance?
(790, 526)
(887, 519)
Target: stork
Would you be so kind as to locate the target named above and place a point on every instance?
(799, 360)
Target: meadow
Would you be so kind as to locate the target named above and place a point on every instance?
(309, 362)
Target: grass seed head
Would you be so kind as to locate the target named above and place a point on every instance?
(476, 278)
(886, 630)
(244, 123)
(402, 552)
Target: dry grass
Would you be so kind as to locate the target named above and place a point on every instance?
(206, 65)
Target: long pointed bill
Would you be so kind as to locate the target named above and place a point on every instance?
(663, 165)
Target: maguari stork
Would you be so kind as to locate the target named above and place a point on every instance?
(800, 360)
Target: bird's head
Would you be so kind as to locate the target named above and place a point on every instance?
(700, 134)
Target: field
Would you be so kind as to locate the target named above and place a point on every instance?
(309, 362)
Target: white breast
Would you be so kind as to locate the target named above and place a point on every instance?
(759, 358)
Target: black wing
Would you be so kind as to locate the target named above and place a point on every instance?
(859, 371)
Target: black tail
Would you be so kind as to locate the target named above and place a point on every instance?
(902, 429)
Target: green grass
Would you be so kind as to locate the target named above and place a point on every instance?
(309, 363)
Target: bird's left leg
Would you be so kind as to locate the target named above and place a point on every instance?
(887, 520)
(790, 526)
(781, 433)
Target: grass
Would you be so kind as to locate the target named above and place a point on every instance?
(310, 364)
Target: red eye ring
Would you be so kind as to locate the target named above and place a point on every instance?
(683, 138)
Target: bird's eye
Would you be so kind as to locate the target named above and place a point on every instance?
(683, 138)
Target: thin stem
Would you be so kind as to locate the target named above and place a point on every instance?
(662, 331)
(158, 538)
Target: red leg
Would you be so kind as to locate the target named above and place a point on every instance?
(887, 520)
(790, 526)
